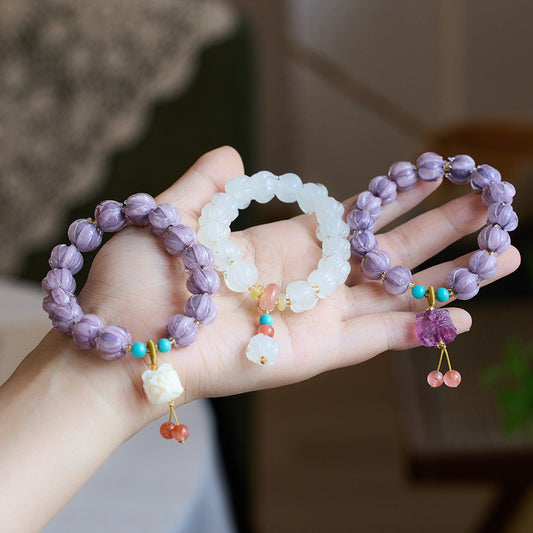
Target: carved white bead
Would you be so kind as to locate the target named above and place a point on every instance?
(226, 251)
(328, 208)
(264, 186)
(332, 227)
(309, 195)
(336, 246)
(289, 185)
(162, 385)
(335, 266)
(240, 189)
(220, 213)
(302, 296)
(212, 231)
(223, 199)
(262, 346)
(240, 275)
(326, 283)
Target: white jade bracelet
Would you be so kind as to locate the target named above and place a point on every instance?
(241, 275)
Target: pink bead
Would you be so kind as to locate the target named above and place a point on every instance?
(435, 379)
(452, 378)
(266, 329)
(268, 299)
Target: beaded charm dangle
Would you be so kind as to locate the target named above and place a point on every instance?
(435, 328)
(262, 343)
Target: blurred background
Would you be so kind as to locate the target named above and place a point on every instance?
(103, 99)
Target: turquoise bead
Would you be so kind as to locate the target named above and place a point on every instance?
(138, 349)
(442, 294)
(266, 319)
(164, 345)
(418, 291)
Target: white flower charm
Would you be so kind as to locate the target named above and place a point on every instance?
(262, 349)
(162, 385)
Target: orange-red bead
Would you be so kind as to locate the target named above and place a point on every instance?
(266, 329)
(267, 302)
(180, 432)
(166, 430)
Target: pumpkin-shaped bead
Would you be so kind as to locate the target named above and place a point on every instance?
(55, 298)
(483, 176)
(178, 238)
(161, 217)
(109, 216)
(137, 207)
(493, 239)
(461, 167)
(375, 264)
(463, 283)
(498, 193)
(65, 315)
(362, 243)
(84, 235)
(203, 280)
(384, 188)
(58, 278)
(197, 256)
(397, 280)
(482, 264)
(503, 215)
(86, 330)
(430, 166)
(367, 201)
(66, 256)
(360, 220)
(182, 329)
(112, 342)
(202, 308)
(404, 175)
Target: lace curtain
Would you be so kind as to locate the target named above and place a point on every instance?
(76, 82)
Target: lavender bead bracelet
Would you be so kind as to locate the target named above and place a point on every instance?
(161, 384)
(434, 327)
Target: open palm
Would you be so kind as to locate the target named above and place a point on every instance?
(135, 283)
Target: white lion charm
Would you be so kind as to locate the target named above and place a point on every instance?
(162, 385)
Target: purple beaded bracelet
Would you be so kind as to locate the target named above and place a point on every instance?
(434, 327)
(161, 384)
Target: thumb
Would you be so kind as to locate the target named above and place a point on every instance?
(205, 178)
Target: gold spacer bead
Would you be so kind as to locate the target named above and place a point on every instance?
(383, 276)
(411, 285)
(447, 166)
(263, 360)
(172, 340)
(317, 289)
(128, 348)
(196, 323)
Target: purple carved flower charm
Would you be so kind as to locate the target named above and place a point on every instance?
(434, 326)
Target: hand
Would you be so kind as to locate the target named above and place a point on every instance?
(87, 406)
(135, 283)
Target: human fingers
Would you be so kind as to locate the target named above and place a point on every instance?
(205, 178)
(404, 202)
(368, 335)
(378, 300)
(420, 238)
